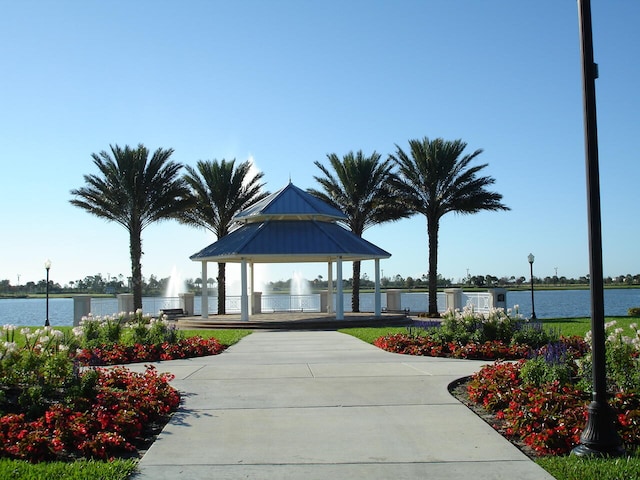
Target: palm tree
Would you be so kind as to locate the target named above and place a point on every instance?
(363, 188)
(439, 179)
(220, 191)
(134, 192)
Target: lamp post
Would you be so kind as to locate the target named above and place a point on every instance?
(599, 437)
(531, 258)
(47, 266)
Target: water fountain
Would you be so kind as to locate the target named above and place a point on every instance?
(175, 287)
(299, 291)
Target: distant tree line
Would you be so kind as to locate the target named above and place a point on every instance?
(154, 286)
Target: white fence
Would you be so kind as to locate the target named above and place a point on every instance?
(413, 302)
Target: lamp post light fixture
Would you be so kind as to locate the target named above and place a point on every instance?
(531, 258)
(47, 266)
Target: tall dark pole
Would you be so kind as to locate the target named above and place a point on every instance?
(599, 437)
(47, 266)
(533, 306)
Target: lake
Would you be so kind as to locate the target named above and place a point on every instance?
(548, 304)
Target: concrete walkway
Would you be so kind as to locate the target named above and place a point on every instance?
(324, 405)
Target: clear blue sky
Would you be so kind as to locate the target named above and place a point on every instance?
(287, 82)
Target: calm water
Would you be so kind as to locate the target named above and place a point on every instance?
(548, 304)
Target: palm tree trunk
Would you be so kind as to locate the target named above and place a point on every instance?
(355, 292)
(222, 292)
(135, 251)
(432, 229)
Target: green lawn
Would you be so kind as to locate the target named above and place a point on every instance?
(580, 326)
(79, 470)
(370, 334)
(576, 468)
(226, 337)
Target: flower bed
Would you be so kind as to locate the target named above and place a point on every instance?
(55, 403)
(122, 354)
(427, 346)
(543, 401)
(464, 333)
(105, 419)
(549, 418)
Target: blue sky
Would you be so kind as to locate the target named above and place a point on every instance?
(287, 82)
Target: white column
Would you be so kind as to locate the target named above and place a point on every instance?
(330, 288)
(204, 299)
(376, 295)
(339, 294)
(244, 298)
(251, 283)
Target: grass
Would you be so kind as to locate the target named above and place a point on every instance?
(226, 337)
(79, 470)
(370, 334)
(576, 468)
(580, 326)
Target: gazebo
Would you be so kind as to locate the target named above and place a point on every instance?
(290, 226)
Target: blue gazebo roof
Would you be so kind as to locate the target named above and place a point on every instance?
(290, 226)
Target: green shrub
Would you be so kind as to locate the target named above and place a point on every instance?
(466, 325)
(622, 351)
(538, 371)
(535, 335)
(125, 329)
(634, 312)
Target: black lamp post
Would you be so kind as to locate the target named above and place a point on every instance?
(531, 258)
(47, 266)
(599, 437)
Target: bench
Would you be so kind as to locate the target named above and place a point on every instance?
(172, 313)
(406, 311)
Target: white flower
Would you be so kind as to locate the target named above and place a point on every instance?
(633, 326)
(8, 327)
(610, 324)
(63, 348)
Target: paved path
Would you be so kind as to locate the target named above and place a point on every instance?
(324, 405)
